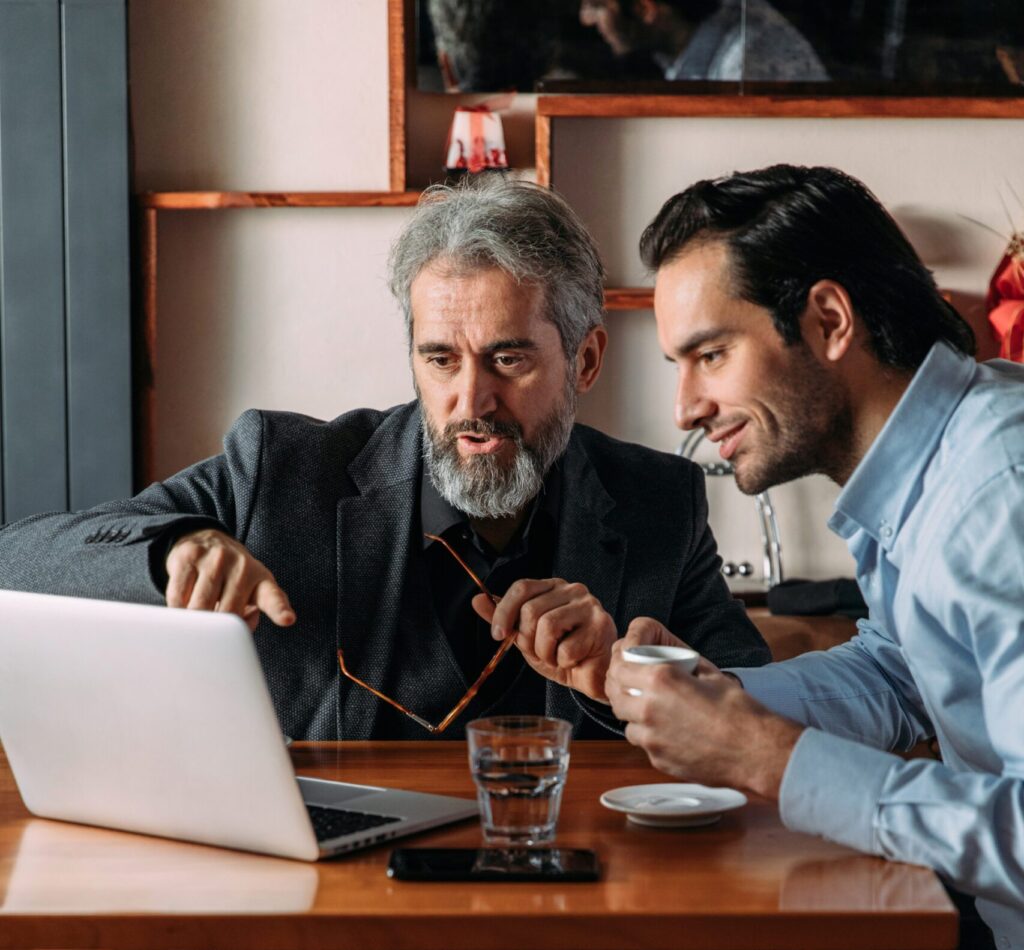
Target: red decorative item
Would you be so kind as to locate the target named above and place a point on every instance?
(1005, 301)
(476, 141)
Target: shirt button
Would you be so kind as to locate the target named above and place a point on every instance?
(886, 530)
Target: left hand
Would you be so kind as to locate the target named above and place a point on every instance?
(701, 727)
(561, 629)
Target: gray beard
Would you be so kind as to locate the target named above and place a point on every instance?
(482, 486)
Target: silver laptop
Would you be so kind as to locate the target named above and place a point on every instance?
(159, 721)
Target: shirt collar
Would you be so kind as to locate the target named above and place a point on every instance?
(437, 516)
(878, 496)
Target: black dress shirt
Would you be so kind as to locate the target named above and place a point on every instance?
(513, 688)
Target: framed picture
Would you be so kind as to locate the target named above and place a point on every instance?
(845, 47)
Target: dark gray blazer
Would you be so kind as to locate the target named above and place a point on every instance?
(331, 509)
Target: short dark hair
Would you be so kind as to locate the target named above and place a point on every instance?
(787, 227)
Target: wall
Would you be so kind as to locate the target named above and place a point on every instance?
(288, 308)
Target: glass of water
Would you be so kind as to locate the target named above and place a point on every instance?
(519, 764)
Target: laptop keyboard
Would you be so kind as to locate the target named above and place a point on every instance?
(334, 822)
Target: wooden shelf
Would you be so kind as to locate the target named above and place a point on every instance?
(755, 106)
(660, 106)
(218, 200)
(401, 65)
(629, 298)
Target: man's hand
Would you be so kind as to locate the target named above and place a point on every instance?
(209, 570)
(701, 727)
(644, 631)
(561, 629)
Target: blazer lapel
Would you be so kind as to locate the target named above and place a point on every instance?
(373, 537)
(386, 623)
(589, 548)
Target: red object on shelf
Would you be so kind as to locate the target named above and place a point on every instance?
(476, 141)
(1005, 301)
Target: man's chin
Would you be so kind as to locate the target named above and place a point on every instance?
(500, 461)
(750, 482)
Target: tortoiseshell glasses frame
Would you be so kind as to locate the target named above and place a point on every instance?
(473, 690)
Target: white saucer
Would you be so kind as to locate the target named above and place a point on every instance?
(673, 804)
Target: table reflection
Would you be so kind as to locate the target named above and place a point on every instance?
(858, 883)
(62, 868)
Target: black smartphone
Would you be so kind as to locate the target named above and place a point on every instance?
(493, 864)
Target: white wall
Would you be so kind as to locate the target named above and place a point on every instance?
(929, 172)
(278, 308)
(288, 308)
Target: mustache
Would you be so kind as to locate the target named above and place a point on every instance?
(485, 427)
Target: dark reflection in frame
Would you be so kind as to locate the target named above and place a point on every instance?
(846, 47)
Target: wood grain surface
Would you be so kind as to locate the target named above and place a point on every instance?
(220, 200)
(744, 882)
(792, 106)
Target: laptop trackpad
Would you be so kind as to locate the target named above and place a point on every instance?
(317, 791)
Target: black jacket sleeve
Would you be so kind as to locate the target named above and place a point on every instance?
(116, 550)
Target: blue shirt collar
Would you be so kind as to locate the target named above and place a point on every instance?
(878, 496)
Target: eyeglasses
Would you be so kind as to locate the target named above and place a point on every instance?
(473, 690)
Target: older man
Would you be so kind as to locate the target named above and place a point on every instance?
(350, 532)
(809, 337)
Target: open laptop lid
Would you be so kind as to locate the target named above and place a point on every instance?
(146, 719)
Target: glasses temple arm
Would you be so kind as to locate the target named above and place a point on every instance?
(355, 679)
(472, 691)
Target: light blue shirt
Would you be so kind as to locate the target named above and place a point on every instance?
(934, 517)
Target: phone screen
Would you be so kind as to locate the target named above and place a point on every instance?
(493, 864)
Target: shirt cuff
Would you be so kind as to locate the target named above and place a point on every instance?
(832, 787)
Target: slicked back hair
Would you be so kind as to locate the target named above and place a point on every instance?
(527, 231)
(787, 227)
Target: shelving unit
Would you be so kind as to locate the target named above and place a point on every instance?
(401, 19)
(550, 108)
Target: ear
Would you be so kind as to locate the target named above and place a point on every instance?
(589, 358)
(828, 322)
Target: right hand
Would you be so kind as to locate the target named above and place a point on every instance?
(560, 628)
(645, 631)
(209, 570)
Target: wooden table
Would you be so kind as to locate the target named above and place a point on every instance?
(745, 882)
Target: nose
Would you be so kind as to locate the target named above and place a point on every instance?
(476, 396)
(692, 406)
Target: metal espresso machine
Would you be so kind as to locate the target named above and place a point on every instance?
(741, 574)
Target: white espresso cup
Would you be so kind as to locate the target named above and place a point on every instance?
(684, 657)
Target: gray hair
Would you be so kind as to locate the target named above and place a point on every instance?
(496, 44)
(527, 231)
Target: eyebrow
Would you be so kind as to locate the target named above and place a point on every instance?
(522, 343)
(426, 349)
(697, 340)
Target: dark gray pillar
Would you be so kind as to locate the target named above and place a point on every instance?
(65, 333)
(96, 252)
(32, 378)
